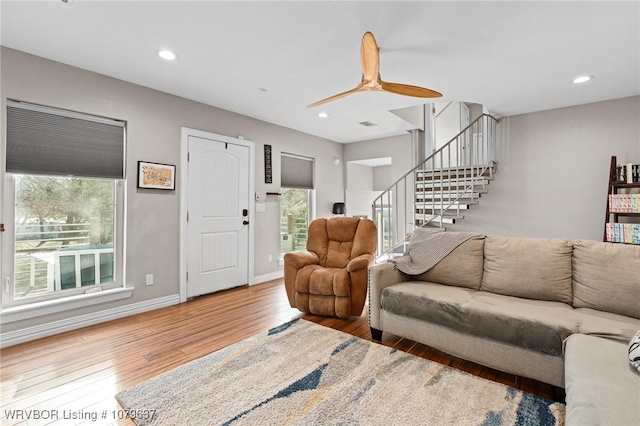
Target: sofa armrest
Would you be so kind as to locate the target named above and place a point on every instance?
(300, 259)
(360, 262)
(381, 276)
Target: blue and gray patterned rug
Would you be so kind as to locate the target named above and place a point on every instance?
(302, 373)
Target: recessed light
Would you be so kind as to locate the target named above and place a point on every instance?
(582, 79)
(323, 115)
(167, 54)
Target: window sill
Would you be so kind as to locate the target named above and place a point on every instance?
(33, 310)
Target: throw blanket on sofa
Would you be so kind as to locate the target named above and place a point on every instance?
(428, 247)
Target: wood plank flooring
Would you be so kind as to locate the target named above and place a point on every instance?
(76, 374)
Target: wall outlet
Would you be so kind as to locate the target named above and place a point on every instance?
(270, 258)
(149, 279)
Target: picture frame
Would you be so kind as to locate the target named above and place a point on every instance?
(156, 176)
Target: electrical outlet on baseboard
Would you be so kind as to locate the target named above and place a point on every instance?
(149, 279)
(270, 258)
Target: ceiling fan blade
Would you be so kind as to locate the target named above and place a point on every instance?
(408, 90)
(358, 88)
(370, 57)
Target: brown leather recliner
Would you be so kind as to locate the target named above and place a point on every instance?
(330, 276)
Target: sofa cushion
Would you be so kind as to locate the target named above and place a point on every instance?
(606, 277)
(533, 324)
(332, 240)
(535, 268)
(330, 282)
(606, 324)
(601, 388)
(461, 268)
(315, 279)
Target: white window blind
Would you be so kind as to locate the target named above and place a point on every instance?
(49, 141)
(296, 172)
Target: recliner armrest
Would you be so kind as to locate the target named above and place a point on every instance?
(300, 259)
(360, 262)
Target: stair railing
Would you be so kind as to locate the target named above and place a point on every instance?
(438, 184)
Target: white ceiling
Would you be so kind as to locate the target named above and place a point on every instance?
(511, 57)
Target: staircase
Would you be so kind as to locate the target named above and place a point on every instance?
(439, 190)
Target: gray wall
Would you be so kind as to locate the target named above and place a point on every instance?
(154, 121)
(383, 177)
(360, 194)
(396, 147)
(553, 170)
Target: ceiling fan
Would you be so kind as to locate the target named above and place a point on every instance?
(371, 81)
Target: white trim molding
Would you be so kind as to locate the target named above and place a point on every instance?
(31, 333)
(258, 279)
(53, 306)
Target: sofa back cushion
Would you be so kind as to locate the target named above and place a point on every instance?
(606, 276)
(534, 268)
(461, 268)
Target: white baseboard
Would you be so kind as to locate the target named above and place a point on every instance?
(268, 277)
(31, 333)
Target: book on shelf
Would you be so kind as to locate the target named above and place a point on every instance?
(624, 203)
(610, 233)
(628, 233)
(629, 173)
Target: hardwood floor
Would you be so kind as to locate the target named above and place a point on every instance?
(76, 374)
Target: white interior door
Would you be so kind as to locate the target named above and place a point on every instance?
(218, 216)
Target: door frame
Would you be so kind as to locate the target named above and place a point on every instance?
(183, 184)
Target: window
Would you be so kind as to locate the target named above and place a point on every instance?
(64, 202)
(294, 219)
(295, 202)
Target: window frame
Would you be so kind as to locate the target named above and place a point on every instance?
(12, 309)
(8, 298)
(310, 211)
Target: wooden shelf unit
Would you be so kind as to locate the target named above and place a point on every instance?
(613, 188)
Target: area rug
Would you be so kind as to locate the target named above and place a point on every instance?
(301, 373)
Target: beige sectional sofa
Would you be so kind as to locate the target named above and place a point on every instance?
(554, 310)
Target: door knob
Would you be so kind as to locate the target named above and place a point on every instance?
(245, 222)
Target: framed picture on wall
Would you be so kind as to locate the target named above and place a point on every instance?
(156, 176)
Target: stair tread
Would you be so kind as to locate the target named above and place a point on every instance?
(453, 193)
(456, 182)
(462, 201)
(421, 216)
(455, 172)
(451, 213)
(462, 204)
(430, 195)
(476, 167)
